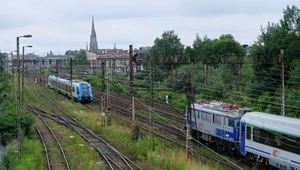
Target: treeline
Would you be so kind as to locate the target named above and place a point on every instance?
(223, 70)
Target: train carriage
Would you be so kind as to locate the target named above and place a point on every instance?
(81, 90)
(271, 139)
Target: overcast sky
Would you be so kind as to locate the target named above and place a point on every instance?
(60, 25)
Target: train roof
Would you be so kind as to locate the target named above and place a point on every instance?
(281, 124)
(66, 81)
(222, 109)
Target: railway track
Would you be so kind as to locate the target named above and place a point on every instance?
(162, 126)
(49, 139)
(159, 109)
(113, 158)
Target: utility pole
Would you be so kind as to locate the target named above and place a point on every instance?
(114, 65)
(23, 74)
(12, 77)
(239, 63)
(5, 59)
(71, 87)
(93, 66)
(40, 73)
(205, 73)
(74, 67)
(19, 103)
(57, 73)
(108, 94)
(102, 96)
(152, 104)
(131, 87)
(282, 75)
(188, 114)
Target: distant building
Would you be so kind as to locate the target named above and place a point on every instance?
(142, 52)
(117, 60)
(71, 54)
(30, 56)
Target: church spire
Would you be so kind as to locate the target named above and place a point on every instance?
(93, 39)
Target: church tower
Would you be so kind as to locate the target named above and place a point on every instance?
(93, 39)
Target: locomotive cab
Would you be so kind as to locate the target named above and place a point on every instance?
(84, 92)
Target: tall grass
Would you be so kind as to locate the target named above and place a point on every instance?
(32, 157)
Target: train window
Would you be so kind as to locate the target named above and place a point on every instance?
(203, 116)
(73, 89)
(218, 120)
(230, 122)
(238, 123)
(198, 113)
(208, 117)
(256, 134)
(277, 140)
(249, 132)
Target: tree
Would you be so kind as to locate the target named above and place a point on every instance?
(168, 48)
(189, 55)
(216, 51)
(274, 37)
(81, 57)
(167, 51)
(225, 47)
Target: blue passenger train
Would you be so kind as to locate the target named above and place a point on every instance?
(81, 90)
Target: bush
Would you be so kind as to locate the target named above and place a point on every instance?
(31, 158)
(8, 126)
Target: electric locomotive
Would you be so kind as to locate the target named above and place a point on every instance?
(217, 122)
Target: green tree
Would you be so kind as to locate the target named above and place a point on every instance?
(275, 36)
(168, 48)
(189, 55)
(81, 57)
(166, 53)
(225, 47)
(216, 51)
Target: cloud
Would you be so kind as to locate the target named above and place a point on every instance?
(61, 25)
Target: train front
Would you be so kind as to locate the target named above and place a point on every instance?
(85, 92)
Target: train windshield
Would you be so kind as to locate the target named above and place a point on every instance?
(238, 123)
(85, 89)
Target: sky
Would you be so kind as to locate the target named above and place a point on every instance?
(60, 25)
